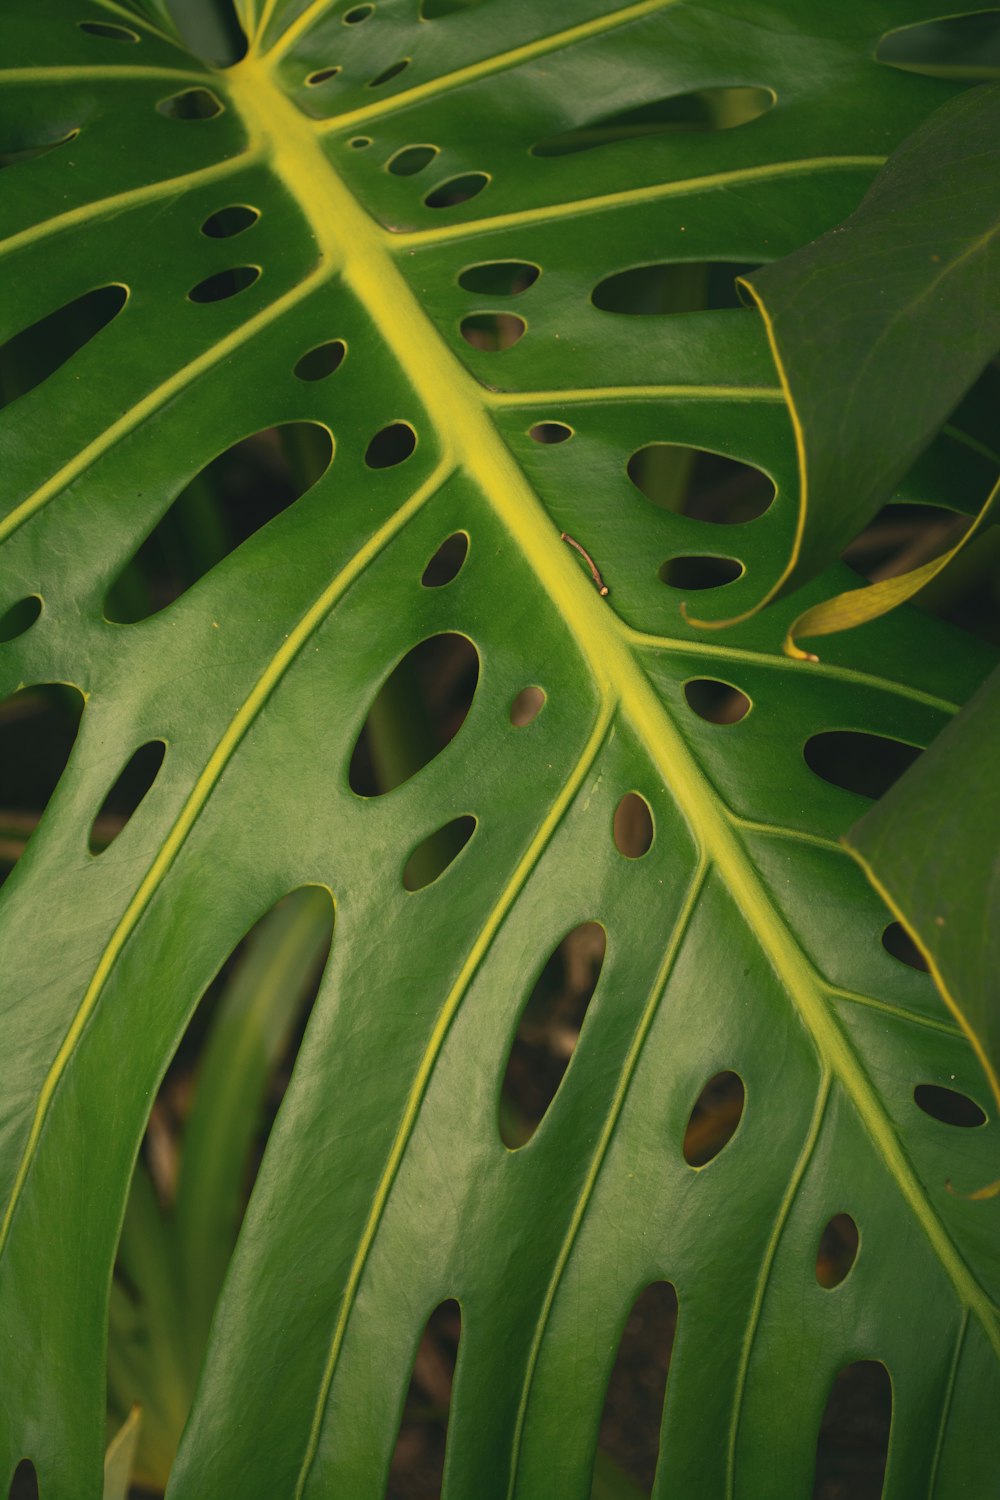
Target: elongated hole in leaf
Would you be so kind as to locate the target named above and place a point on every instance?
(867, 764)
(721, 108)
(321, 75)
(492, 331)
(204, 1143)
(704, 571)
(897, 941)
(411, 159)
(419, 709)
(24, 1485)
(38, 728)
(37, 352)
(390, 446)
(527, 706)
(837, 1251)
(435, 853)
(108, 31)
(853, 1442)
(549, 433)
(705, 486)
(421, 1444)
(222, 285)
(629, 1440)
(233, 497)
(226, 222)
(714, 1119)
(125, 795)
(20, 149)
(949, 1106)
(19, 618)
(633, 826)
(389, 73)
(192, 104)
(671, 287)
(447, 562)
(456, 190)
(499, 278)
(716, 702)
(964, 47)
(357, 14)
(548, 1031)
(320, 362)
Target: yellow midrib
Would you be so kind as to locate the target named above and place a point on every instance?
(346, 235)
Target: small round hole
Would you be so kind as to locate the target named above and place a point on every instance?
(550, 432)
(321, 75)
(226, 222)
(318, 363)
(224, 284)
(108, 31)
(716, 702)
(633, 826)
(447, 561)
(390, 446)
(357, 14)
(712, 1124)
(837, 1251)
(499, 278)
(694, 573)
(390, 73)
(492, 332)
(456, 190)
(949, 1106)
(527, 706)
(359, 142)
(19, 618)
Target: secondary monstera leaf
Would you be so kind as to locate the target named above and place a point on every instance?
(403, 227)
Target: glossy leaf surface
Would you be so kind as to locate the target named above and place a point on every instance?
(742, 941)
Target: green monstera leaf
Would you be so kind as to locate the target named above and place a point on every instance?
(394, 236)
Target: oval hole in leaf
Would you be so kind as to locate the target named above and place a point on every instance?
(321, 75)
(357, 14)
(360, 142)
(700, 572)
(837, 1251)
(222, 285)
(418, 710)
(949, 1106)
(38, 728)
(703, 109)
(24, 1485)
(492, 332)
(633, 826)
(389, 73)
(432, 857)
(235, 495)
(124, 797)
(192, 104)
(226, 222)
(717, 1112)
(19, 618)
(866, 764)
(670, 287)
(527, 706)
(897, 941)
(549, 433)
(705, 486)
(629, 1439)
(320, 362)
(390, 446)
(423, 1430)
(716, 702)
(853, 1442)
(548, 1031)
(900, 536)
(108, 31)
(963, 47)
(37, 352)
(447, 562)
(499, 278)
(456, 190)
(411, 159)
(18, 151)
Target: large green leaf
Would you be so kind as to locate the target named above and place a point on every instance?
(744, 939)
